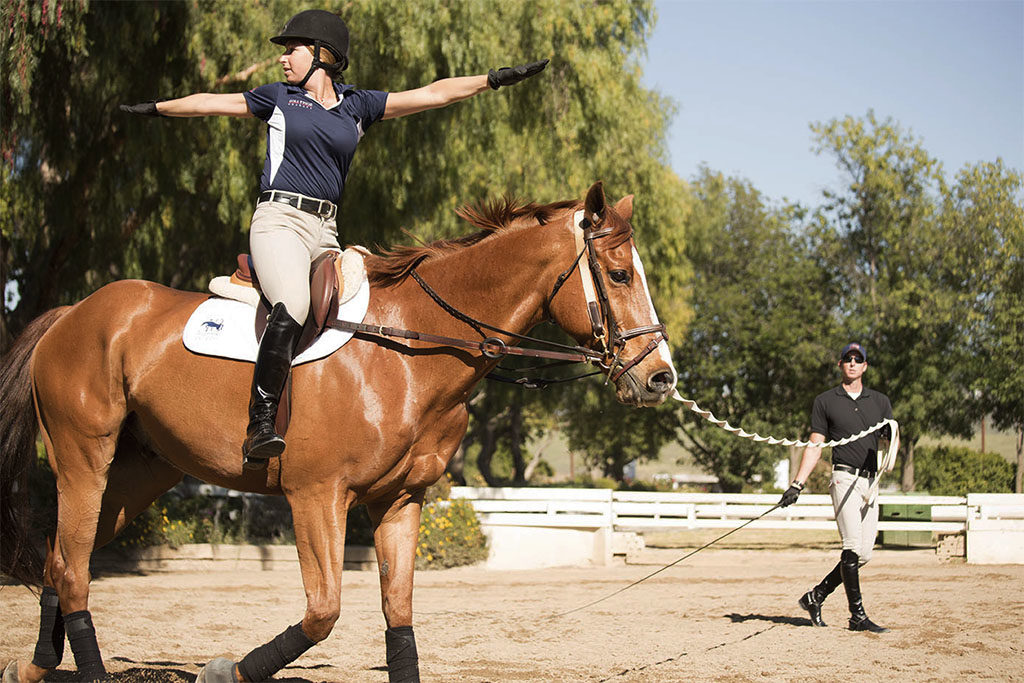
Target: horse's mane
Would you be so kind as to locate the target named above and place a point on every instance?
(394, 264)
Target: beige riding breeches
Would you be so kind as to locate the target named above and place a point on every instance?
(856, 513)
(284, 241)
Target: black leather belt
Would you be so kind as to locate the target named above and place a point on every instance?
(318, 207)
(853, 470)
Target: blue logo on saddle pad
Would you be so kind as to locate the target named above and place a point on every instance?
(212, 326)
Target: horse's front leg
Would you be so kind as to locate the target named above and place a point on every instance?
(319, 513)
(395, 535)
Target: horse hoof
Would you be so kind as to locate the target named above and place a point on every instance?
(220, 670)
(11, 673)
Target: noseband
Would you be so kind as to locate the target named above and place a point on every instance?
(603, 325)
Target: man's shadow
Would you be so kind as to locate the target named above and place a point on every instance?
(792, 621)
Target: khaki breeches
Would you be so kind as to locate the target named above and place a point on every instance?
(856, 513)
(283, 242)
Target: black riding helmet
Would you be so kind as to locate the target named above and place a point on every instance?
(324, 30)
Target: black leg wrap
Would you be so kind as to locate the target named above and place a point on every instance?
(50, 645)
(403, 662)
(268, 659)
(82, 636)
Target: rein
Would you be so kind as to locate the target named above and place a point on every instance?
(492, 347)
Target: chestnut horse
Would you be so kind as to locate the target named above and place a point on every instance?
(125, 410)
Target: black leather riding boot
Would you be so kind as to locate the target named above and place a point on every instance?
(273, 363)
(813, 599)
(850, 565)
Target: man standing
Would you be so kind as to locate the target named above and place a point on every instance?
(838, 413)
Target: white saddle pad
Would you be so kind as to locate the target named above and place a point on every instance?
(226, 328)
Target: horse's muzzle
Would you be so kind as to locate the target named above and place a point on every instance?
(645, 389)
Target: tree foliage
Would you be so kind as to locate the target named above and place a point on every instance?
(763, 330)
(985, 221)
(882, 235)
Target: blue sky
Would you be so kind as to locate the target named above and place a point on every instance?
(750, 76)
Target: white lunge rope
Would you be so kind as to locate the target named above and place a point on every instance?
(885, 463)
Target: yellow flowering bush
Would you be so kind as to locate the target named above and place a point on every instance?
(155, 527)
(450, 534)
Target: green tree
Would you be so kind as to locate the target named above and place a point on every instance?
(91, 194)
(882, 237)
(758, 347)
(983, 213)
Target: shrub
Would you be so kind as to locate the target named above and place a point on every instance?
(957, 471)
(450, 534)
(154, 527)
(175, 520)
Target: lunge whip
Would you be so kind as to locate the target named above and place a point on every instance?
(658, 571)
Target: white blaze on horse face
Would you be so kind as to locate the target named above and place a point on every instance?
(663, 350)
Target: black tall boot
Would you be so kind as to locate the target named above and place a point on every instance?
(859, 621)
(273, 363)
(812, 599)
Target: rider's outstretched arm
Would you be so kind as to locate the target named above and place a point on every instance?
(199, 104)
(448, 90)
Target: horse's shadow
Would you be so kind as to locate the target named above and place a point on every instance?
(167, 672)
(792, 621)
(149, 672)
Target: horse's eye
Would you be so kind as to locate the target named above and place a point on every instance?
(619, 276)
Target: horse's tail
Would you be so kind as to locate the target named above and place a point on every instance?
(18, 555)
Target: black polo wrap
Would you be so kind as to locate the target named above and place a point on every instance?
(82, 636)
(403, 662)
(269, 658)
(50, 645)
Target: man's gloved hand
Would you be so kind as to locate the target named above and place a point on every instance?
(512, 75)
(144, 108)
(791, 494)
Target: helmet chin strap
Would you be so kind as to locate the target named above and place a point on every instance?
(329, 69)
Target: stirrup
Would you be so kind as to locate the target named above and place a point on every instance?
(257, 457)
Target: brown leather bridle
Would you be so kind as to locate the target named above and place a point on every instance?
(604, 328)
(603, 324)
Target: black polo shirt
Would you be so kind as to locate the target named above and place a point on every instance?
(838, 416)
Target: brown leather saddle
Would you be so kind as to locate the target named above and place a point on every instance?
(325, 282)
(324, 287)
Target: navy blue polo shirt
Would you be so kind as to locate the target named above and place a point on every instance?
(309, 147)
(836, 415)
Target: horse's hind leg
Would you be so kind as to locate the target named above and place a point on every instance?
(81, 465)
(319, 513)
(134, 479)
(50, 645)
(395, 536)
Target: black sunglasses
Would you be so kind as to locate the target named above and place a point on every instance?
(852, 358)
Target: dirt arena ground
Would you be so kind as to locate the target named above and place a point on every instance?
(724, 615)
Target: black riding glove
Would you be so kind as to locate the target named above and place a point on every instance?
(791, 494)
(512, 75)
(144, 108)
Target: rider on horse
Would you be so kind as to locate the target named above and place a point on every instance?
(314, 124)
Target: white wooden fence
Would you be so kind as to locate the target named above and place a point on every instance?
(555, 519)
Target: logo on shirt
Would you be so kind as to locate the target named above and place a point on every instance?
(300, 103)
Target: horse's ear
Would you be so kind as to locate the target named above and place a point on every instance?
(624, 207)
(594, 203)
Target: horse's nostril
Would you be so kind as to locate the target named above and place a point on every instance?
(660, 381)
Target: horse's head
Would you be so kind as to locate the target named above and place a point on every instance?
(603, 301)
